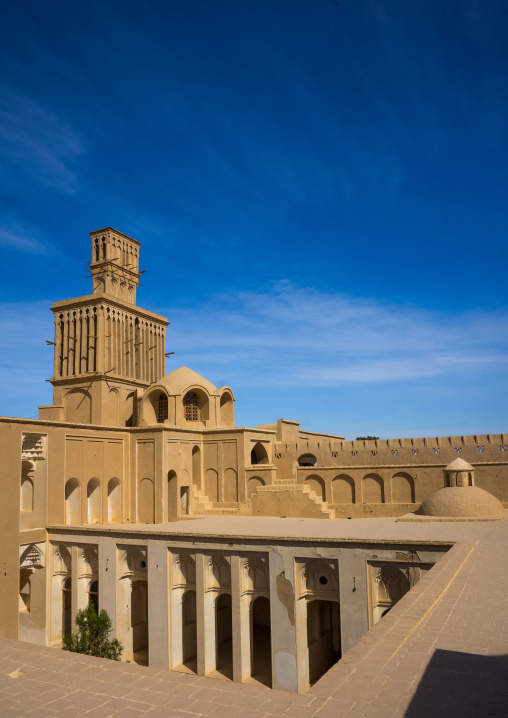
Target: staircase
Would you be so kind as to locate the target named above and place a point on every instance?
(202, 506)
(287, 498)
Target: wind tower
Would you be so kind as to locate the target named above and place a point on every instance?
(106, 347)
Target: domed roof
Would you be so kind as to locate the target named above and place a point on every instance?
(458, 464)
(461, 501)
(180, 379)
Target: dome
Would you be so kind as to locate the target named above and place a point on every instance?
(182, 378)
(461, 501)
(458, 465)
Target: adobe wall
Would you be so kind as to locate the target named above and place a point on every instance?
(387, 477)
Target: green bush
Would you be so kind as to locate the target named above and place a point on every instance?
(366, 438)
(92, 636)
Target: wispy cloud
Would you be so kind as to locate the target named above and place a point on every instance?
(22, 239)
(291, 336)
(37, 143)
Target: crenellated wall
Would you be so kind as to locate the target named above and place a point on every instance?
(387, 477)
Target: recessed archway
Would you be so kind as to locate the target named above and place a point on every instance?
(323, 636)
(93, 495)
(72, 502)
(261, 641)
(223, 634)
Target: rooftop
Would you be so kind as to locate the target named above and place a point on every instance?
(441, 651)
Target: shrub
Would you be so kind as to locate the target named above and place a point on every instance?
(92, 636)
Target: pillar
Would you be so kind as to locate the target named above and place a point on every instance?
(158, 604)
(282, 620)
(241, 623)
(107, 579)
(74, 586)
(205, 618)
(353, 592)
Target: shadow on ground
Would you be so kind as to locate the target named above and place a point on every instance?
(465, 685)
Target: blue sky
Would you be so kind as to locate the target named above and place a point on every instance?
(320, 188)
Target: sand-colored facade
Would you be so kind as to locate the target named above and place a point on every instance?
(93, 491)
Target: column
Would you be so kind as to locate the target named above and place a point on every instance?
(241, 623)
(74, 586)
(158, 605)
(282, 620)
(205, 618)
(107, 579)
(353, 592)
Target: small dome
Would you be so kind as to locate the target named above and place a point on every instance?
(182, 378)
(461, 501)
(458, 465)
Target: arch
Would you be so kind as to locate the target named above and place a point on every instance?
(27, 494)
(258, 454)
(252, 485)
(230, 485)
(93, 496)
(112, 408)
(343, 490)
(227, 410)
(78, 406)
(72, 502)
(307, 460)
(260, 641)
(316, 483)
(196, 405)
(196, 467)
(189, 630)
(114, 501)
(223, 635)
(212, 484)
(146, 502)
(66, 607)
(373, 489)
(93, 595)
(172, 488)
(403, 488)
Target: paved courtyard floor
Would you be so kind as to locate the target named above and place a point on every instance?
(441, 652)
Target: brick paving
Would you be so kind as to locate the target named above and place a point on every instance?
(442, 652)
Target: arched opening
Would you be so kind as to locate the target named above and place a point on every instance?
(470, 478)
(139, 621)
(258, 454)
(191, 406)
(67, 607)
(323, 636)
(162, 408)
(72, 502)
(27, 494)
(261, 641)
(373, 490)
(189, 632)
(307, 460)
(227, 412)
(104, 247)
(172, 498)
(25, 590)
(403, 489)
(224, 633)
(343, 490)
(93, 595)
(114, 501)
(93, 495)
(316, 483)
(97, 250)
(196, 467)
(252, 485)
(146, 498)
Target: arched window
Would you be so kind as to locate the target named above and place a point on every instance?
(104, 247)
(97, 250)
(307, 460)
(191, 407)
(162, 408)
(258, 454)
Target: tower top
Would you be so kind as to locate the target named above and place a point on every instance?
(115, 264)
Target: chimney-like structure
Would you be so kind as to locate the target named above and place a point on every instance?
(106, 347)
